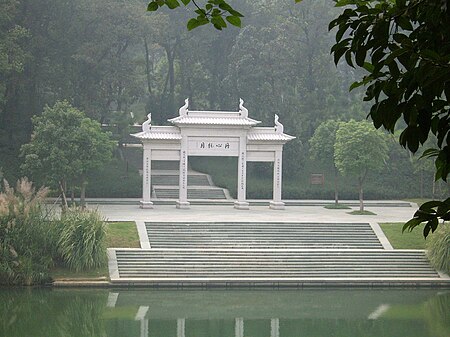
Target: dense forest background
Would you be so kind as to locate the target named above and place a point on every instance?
(117, 63)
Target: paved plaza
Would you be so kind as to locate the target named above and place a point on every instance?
(214, 213)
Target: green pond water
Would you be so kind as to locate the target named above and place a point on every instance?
(223, 313)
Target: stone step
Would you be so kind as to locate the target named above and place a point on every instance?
(244, 226)
(261, 235)
(174, 180)
(232, 264)
(193, 193)
(165, 165)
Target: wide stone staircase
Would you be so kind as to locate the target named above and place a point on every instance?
(270, 266)
(262, 235)
(268, 254)
(165, 181)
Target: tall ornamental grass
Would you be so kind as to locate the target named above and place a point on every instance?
(26, 235)
(438, 246)
(82, 239)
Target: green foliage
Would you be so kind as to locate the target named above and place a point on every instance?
(65, 146)
(127, 183)
(213, 12)
(438, 246)
(322, 142)
(429, 213)
(26, 235)
(359, 148)
(13, 54)
(400, 44)
(81, 242)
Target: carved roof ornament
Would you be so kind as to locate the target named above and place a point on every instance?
(279, 128)
(146, 126)
(183, 111)
(242, 110)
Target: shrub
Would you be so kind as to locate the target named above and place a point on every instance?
(81, 243)
(438, 246)
(26, 235)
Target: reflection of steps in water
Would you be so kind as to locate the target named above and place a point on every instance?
(262, 235)
(275, 313)
(227, 304)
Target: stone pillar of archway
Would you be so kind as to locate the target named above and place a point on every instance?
(275, 327)
(182, 201)
(241, 202)
(181, 327)
(276, 203)
(147, 178)
(239, 327)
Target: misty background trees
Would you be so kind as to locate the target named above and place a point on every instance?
(117, 63)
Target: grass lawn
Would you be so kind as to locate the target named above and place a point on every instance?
(405, 240)
(418, 201)
(361, 213)
(336, 206)
(122, 235)
(119, 235)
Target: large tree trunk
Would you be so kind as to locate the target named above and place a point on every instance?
(361, 196)
(336, 193)
(62, 188)
(361, 192)
(148, 67)
(83, 193)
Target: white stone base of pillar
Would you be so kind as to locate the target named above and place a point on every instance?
(241, 205)
(183, 204)
(146, 204)
(277, 205)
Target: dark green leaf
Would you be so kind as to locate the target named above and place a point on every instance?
(185, 2)
(369, 67)
(414, 222)
(429, 153)
(404, 22)
(430, 205)
(218, 21)
(348, 58)
(234, 20)
(235, 13)
(172, 4)
(152, 6)
(192, 23)
(426, 229)
(360, 56)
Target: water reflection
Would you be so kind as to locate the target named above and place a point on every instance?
(226, 313)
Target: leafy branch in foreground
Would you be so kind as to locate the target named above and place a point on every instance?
(215, 12)
(429, 213)
(403, 46)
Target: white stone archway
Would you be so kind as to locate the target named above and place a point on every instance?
(213, 133)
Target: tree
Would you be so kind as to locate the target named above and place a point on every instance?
(403, 46)
(322, 149)
(64, 147)
(352, 154)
